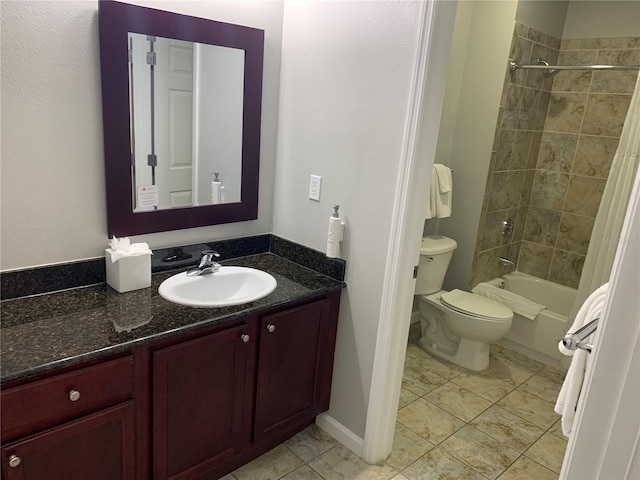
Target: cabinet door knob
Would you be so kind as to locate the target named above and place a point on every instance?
(271, 327)
(245, 337)
(74, 395)
(14, 461)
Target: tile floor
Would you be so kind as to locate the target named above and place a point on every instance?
(452, 423)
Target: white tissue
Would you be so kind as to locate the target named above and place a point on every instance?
(124, 248)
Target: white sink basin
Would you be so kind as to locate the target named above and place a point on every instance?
(228, 286)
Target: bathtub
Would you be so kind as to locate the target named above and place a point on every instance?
(538, 339)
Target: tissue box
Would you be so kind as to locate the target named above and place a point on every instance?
(129, 273)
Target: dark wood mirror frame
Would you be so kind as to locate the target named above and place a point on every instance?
(115, 21)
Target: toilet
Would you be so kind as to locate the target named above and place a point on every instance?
(457, 325)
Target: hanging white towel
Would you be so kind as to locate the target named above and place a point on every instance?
(431, 201)
(519, 304)
(572, 386)
(443, 194)
(440, 192)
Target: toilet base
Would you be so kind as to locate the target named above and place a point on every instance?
(471, 354)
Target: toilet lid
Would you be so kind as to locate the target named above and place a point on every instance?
(475, 305)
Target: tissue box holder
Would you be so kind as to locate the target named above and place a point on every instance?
(129, 273)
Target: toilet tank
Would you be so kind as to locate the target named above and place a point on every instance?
(435, 254)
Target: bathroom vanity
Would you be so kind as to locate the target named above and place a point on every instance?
(102, 385)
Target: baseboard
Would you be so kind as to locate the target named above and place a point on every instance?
(341, 433)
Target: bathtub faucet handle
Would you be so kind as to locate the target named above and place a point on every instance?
(507, 263)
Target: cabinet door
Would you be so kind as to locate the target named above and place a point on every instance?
(292, 355)
(201, 402)
(100, 446)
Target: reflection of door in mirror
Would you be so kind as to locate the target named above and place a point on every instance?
(186, 117)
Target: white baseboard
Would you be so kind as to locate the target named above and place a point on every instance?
(341, 433)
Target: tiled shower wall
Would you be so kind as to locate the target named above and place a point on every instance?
(554, 145)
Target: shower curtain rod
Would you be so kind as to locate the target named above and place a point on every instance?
(552, 69)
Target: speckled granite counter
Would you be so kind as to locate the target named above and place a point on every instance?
(42, 333)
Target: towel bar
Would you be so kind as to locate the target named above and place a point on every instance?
(577, 340)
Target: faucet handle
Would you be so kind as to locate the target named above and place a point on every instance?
(206, 258)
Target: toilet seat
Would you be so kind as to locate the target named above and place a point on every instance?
(475, 306)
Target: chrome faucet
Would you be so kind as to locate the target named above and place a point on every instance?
(206, 265)
(507, 263)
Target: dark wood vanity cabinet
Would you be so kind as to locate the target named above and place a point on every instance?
(76, 425)
(220, 397)
(201, 401)
(194, 407)
(292, 353)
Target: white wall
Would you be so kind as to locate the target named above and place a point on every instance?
(602, 19)
(480, 49)
(53, 206)
(544, 15)
(346, 74)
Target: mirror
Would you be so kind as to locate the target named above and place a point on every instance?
(181, 102)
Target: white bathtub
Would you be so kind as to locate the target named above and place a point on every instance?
(538, 339)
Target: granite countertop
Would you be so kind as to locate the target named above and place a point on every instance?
(45, 332)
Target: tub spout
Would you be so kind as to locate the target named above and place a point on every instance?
(507, 263)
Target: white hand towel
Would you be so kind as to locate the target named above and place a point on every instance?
(572, 386)
(443, 193)
(445, 182)
(431, 201)
(519, 304)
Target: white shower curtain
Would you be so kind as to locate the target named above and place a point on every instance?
(605, 236)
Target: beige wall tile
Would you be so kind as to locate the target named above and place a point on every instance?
(549, 189)
(535, 259)
(574, 233)
(594, 155)
(557, 151)
(605, 114)
(542, 226)
(566, 268)
(584, 195)
(566, 112)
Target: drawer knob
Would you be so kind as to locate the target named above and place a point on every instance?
(14, 461)
(245, 337)
(74, 395)
(271, 327)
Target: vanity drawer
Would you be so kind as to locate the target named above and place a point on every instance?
(37, 405)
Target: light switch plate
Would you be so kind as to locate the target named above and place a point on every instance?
(314, 187)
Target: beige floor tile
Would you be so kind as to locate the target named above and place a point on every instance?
(556, 429)
(272, 465)
(530, 407)
(487, 386)
(526, 469)
(408, 446)
(418, 378)
(483, 453)
(399, 477)
(406, 397)
(429, 421)
(414, 351)
(507, 428)
(439, 465)
(340, 463)
(439, 366)
(545, 384)
(311, 443)
(548, 451)
(228, 477)
(458, 401)
(509, 368)
(303, 473)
